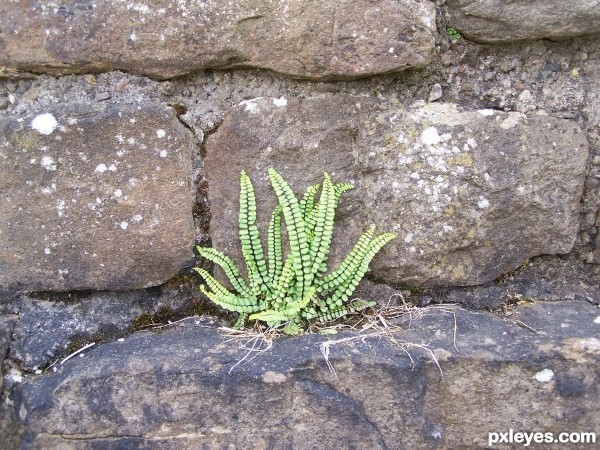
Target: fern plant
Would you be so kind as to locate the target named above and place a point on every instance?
(295, 290)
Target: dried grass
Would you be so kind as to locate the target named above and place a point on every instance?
(378, 325)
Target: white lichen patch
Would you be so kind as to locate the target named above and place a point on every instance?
(486, 112)
(430, 136)
(137, 218)
(118, 193)
(48, 163)
(160, 133)
(544, 376)
(60, 208)
(49, 189)
(44, 123)
(124, 225)
(138, 7)
(101, 168)
(281, 101)
(163, 153)
(597, 319)
(47, 251)
(483, 202)
(250, 105)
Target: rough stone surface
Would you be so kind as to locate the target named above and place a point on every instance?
(513, 20)
(471, 194)
(50, 328)
(308, 38)
(7, 323)
(94, 198)
(536, 371)
(10, 430)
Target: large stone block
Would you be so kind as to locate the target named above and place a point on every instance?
(94, 198)
(307, 38)
(471, 194)
(183, 388)
(514, 20)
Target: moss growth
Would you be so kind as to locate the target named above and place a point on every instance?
(161, 317)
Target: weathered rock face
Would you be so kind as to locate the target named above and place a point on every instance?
(7, 323)
(94, 199)
(471, 194)
(161, 39)
(47, 329)
(180, 388)
(513, 20)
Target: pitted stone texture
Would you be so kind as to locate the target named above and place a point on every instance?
(7, 324)
(308, 38)
(190, 388)
(471, 194)
(94, 198)
(515, 20)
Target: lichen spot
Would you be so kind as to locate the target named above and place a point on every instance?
(250, 105)
(430, 136)
(101, 168)
(543, 376)
(483, 202)
(273, 377)
(48, 163)
(44, 123)
(161, 133)
(281, 101)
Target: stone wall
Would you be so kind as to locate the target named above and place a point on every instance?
(124, 126)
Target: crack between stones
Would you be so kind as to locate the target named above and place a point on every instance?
(200, 187)
(110, 437)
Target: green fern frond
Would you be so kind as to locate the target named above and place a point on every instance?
(340, 188)
(274, 246)
(212, 283)
(249, 237)
(323, 231)
(241, 321)
(222, 297)
(350, 263)
(288, 312)
(345, 289)
(311, 216)
(228, 266)
(285, 281)
(341, 311)
(229, 302)
(296, 229)
(308, 199)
